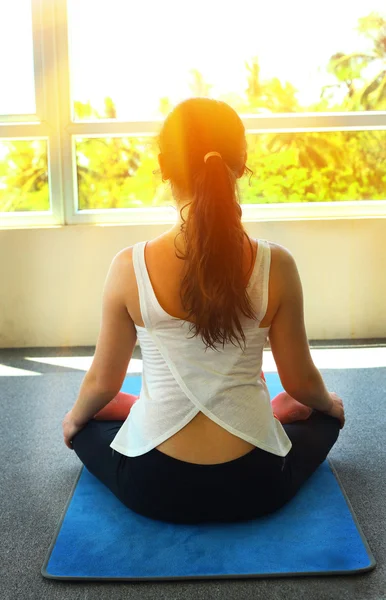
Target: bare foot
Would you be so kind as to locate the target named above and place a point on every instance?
(288, 410)
(118, 409)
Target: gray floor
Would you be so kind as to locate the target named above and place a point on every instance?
(38, 472)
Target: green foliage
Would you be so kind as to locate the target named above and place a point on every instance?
(315, 167)
(266, 96)
(23, 176)
(118, 173)
(350, 69)
(289, 167)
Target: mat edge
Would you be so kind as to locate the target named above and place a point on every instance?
(43, 570)
(214, 577)
(373, 562)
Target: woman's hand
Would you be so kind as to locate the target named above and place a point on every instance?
(70, 429)
(337, 409)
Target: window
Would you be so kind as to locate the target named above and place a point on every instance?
(29, 156)
(310, 87)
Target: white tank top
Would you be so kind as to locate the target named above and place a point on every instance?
(180, 377)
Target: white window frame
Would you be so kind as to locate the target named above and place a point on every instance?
(54, 123)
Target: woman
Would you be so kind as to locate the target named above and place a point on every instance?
(203, 442)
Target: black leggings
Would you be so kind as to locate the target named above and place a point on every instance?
(164, 488)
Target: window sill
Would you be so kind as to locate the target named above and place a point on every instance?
(322, 211)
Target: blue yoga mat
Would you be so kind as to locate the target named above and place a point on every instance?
(316, 533)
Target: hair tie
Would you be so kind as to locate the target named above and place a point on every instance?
(211, 154)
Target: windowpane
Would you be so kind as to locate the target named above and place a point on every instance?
(134, 61)
(23, 176)
(292, 167)
(17, 69)
(118, 173)
(316, 167)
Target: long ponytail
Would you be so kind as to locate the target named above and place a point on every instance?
(213, 289)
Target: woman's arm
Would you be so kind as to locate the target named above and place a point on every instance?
(115, 343)
(91, 399)
(289, 344)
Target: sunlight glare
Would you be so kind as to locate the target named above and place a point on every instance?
(6, 371)
(81, 363)
(337, 358)
(140, 52)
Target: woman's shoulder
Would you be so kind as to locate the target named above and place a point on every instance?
(279, 254)
(282, 265)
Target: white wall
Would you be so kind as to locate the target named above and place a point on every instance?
(51, 279)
